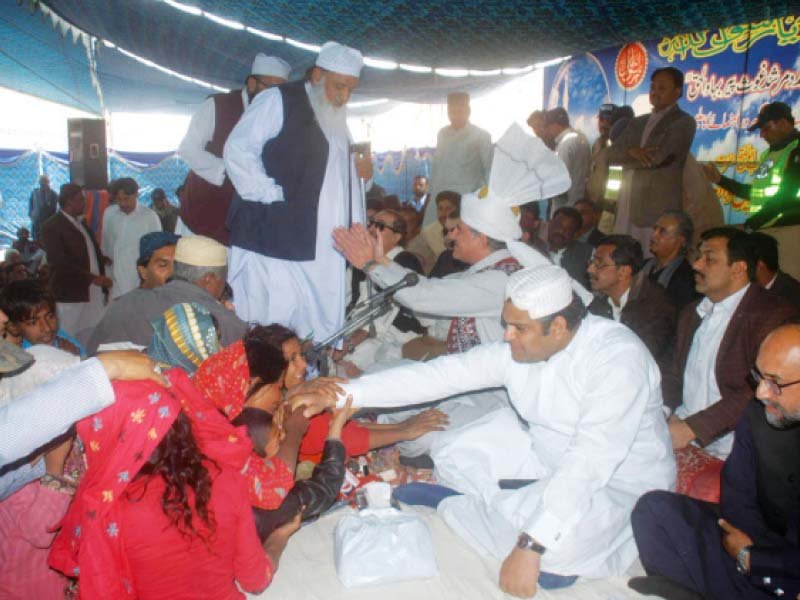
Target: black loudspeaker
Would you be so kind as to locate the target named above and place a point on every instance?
(88, 157)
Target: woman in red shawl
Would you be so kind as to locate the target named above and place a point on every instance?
(162, 510)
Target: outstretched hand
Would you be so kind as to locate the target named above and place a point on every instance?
(316, 395)
(340, 417)
(130, 365)
(357, 245)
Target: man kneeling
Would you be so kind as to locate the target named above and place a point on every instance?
(589, 392)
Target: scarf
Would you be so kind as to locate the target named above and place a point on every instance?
(118, 441)
(184, 336)
(224, 379)
(463, 332)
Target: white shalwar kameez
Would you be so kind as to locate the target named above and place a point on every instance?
(477, 292)
(306, 296)
(596, 441)
(121, 235)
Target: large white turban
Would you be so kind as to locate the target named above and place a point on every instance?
(541, 291)
(523, 170)
(340, 59)
(270, 66)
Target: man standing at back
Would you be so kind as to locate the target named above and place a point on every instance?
(208, 191)
(289, 160)
(572, 147)
(652, 151)
(463, 154)
(124, 223)
(41, 205)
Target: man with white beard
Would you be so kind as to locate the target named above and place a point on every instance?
(289, 160)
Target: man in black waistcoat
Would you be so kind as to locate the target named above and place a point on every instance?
(296, 180)
(207, 191)
(753, 550)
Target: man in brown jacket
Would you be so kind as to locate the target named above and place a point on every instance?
(717, 342)
(77, 272)
(628, 296)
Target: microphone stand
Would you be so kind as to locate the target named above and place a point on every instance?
(362, 313)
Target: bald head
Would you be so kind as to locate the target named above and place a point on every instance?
(778, 368)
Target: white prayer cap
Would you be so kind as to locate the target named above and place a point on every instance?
(542, 291)
(530, 257)
(340, 59)
(270, 66)
(490, 217)
(201, 251)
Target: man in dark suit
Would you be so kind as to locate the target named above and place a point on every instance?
(768, 271)
(565, 250)
(669, 267)
(652, 151)
(77, 272)
(753, 551)
(717, 342)
(625, 294)
(41, 205)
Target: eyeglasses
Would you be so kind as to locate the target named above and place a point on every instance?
(380, 225)
(599, 265)
(773, 387)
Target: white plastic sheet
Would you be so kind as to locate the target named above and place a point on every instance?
(382, 546)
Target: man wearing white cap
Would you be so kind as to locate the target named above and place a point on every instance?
(207, 191)
(523, 169)
(199, 275)
(596, 438)
(290, 162)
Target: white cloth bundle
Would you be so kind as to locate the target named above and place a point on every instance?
(382, 546)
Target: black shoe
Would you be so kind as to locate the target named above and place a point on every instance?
(656, 585)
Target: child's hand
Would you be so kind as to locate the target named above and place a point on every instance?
(340, 417)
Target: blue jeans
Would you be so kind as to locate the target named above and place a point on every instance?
(429, 494)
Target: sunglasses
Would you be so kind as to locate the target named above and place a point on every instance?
(756, 378)
(380, 225)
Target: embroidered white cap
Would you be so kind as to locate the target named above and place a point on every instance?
(339, 58)
(201, 251)
(542, 291)
(270, 66)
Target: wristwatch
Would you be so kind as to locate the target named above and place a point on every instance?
(526, 542)
(742, 559)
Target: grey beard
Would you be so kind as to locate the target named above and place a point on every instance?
(332, 120)
(785, 420)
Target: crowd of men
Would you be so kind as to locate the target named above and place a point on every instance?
(595, 337)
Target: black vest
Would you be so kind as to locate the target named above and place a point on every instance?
(296, 159)
(777, 455)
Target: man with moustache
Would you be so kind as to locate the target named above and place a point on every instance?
(652, 151)
(717, 343)
(752, 552)
(290, 162)
(588, 440)
(669, 265)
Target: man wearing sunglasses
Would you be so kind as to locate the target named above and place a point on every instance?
(753, 551)
(397, 326)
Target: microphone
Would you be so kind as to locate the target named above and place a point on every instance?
(411, 279)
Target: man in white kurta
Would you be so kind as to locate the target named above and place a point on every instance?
(309, 295)
(463, 155)
(124, 223)
(589, 393)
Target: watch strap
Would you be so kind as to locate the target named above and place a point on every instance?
(526, 542)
